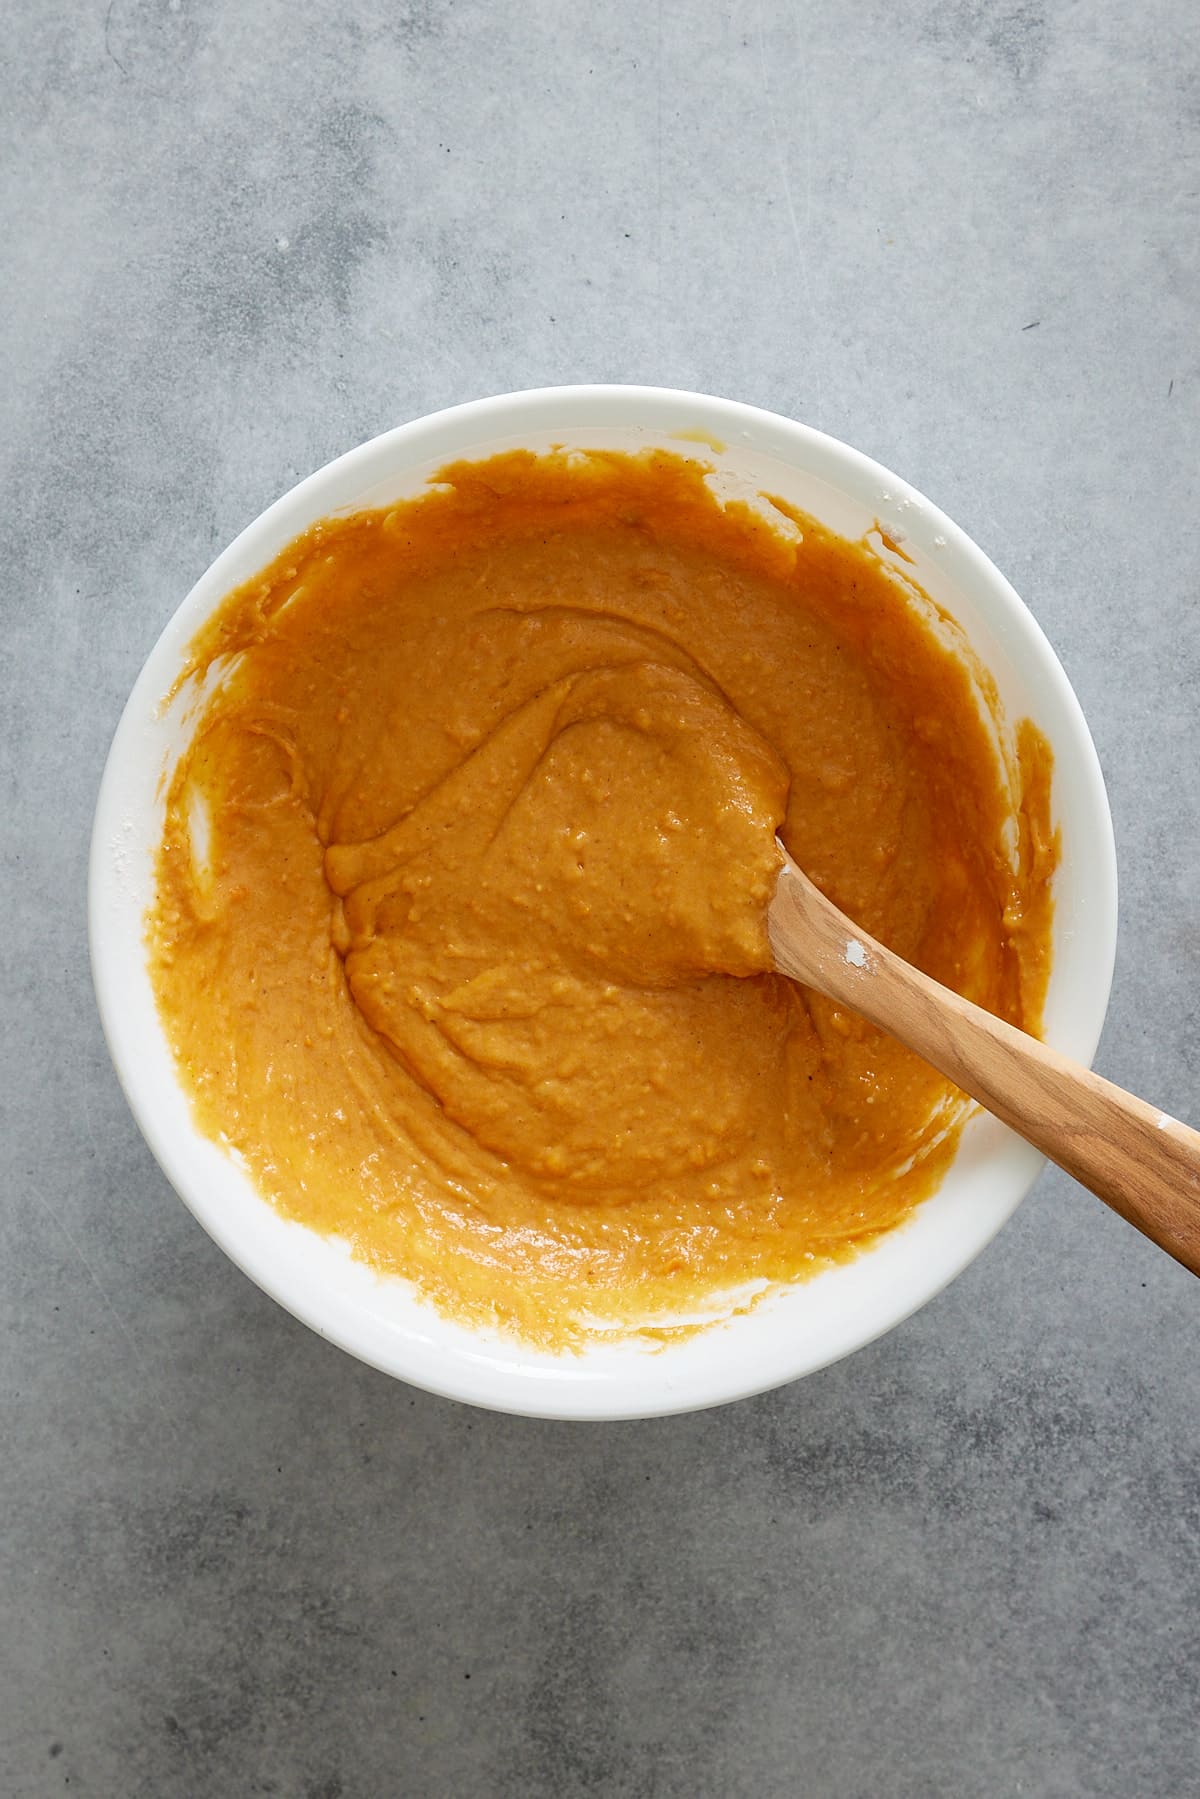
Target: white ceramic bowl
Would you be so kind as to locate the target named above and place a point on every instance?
(790, 1332)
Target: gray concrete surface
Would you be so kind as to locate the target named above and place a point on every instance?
(240, 236)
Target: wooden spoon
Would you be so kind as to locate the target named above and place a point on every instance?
(1134, 1157)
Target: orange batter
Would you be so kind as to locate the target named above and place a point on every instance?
(460, 936)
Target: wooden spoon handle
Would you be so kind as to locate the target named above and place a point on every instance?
(1134, 1157)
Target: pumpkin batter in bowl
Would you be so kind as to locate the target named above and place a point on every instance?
(459, 933)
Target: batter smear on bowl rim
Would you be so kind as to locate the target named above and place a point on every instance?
(459, 932)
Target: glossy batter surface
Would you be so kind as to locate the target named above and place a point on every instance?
(459, 934)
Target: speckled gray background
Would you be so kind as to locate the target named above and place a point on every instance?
(240, 236)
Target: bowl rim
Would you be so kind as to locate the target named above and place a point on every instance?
(594, 405)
